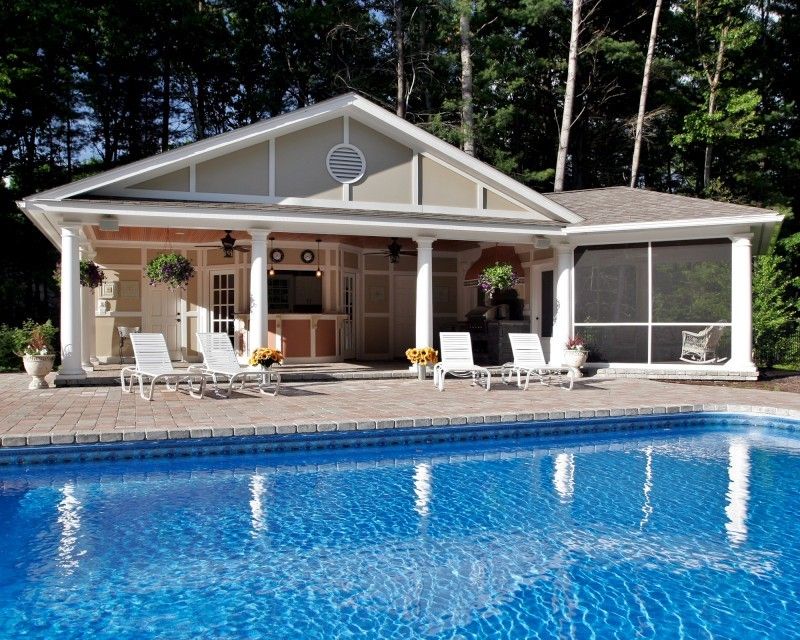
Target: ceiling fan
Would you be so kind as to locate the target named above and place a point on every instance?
(393, 251)
(227, 244)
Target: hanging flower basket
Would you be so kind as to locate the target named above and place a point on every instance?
(171, 269)
(91, 275)
(498, 277)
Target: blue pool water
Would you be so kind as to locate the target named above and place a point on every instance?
(675, 533)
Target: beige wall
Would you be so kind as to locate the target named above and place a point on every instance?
(388, 175)
(376, 336)
(300, 170)
(245, 171)
(441, 186)
(445, 295)
(108, 255)
(444, 264)
(493, 200)
(350, 260)
(175, 181)
(376, 293)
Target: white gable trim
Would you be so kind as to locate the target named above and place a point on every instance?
(348, 105)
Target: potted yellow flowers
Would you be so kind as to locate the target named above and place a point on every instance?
(265, 357)
(422, 357)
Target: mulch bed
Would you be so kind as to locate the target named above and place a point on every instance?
(769, 380)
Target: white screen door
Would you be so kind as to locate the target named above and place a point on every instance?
(223, 302)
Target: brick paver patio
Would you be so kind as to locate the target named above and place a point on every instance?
(83, 414)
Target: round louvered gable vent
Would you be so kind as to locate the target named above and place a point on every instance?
(346, 163)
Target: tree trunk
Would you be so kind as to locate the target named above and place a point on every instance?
(399, 46)
(569, 97)
(467, 113)
(648, 63)
(713, 90)
(166, 81)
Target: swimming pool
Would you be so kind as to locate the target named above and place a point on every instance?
(659, 532)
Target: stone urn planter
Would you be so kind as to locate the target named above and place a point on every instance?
(575, 359)
(38, 367)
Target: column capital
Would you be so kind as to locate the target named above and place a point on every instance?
(259, 234)
(424, 242)
(70, 228)
(563, 247)
(742, 238)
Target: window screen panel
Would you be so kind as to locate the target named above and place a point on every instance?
(615, 344)
(611, 283)
(668, 345)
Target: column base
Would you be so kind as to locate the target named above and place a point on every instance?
(72, 375)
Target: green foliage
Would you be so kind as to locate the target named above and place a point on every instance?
(171, 269)
(31, 337)
(775, 310)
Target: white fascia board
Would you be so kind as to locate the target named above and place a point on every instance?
(175, 158)
(318, 203)
(392, 125)
(321, 222)
(761, 218)
(43, 222)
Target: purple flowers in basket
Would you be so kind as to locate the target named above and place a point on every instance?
(171, 269)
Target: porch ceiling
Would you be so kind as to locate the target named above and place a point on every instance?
(164, 235)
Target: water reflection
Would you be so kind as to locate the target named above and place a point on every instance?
(422, 488)
(647, 507)
(69, 519)
(564, 475)
(738, 491)
(258, 520)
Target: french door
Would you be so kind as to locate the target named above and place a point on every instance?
(223, 302)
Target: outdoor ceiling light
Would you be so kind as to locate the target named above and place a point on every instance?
(109, 223)
(319, 267)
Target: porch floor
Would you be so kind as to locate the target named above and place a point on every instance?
(106, 414)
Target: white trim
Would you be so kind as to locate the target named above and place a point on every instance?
(271, 168)
(756, 218)
(415, 179)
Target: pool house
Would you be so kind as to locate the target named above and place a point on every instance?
(343, 232)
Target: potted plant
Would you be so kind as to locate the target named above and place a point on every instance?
(265, 357)
(171, 269)
(91, 275)
(498, 277)
(575, 353)
(35, 345)
(422, 357)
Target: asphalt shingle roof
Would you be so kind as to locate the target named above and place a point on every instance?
(615, 205)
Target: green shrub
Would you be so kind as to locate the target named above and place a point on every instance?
(30, 337)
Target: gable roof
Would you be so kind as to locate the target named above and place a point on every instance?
(353, 104)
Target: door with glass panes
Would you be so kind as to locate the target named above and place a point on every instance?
(223, 302)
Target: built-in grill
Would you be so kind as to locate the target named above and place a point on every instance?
(478, 326)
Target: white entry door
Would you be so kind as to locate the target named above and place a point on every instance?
(404, 314)
(223, 302)
(164, 316)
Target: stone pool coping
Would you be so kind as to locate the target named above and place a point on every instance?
(11, 442)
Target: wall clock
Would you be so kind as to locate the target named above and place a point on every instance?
(307, 256)
(276, 255)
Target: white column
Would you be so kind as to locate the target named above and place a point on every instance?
(257, 336)
(70, 328)
(424, 317)
(741, 302)
(87, 317)
(562, 320)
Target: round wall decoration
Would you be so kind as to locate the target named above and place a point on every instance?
(307, 256)
(346, 163)
(276, 255)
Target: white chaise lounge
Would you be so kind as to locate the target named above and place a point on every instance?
(219, 362)
(153, 364)
(456, 359)
(529, 360)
